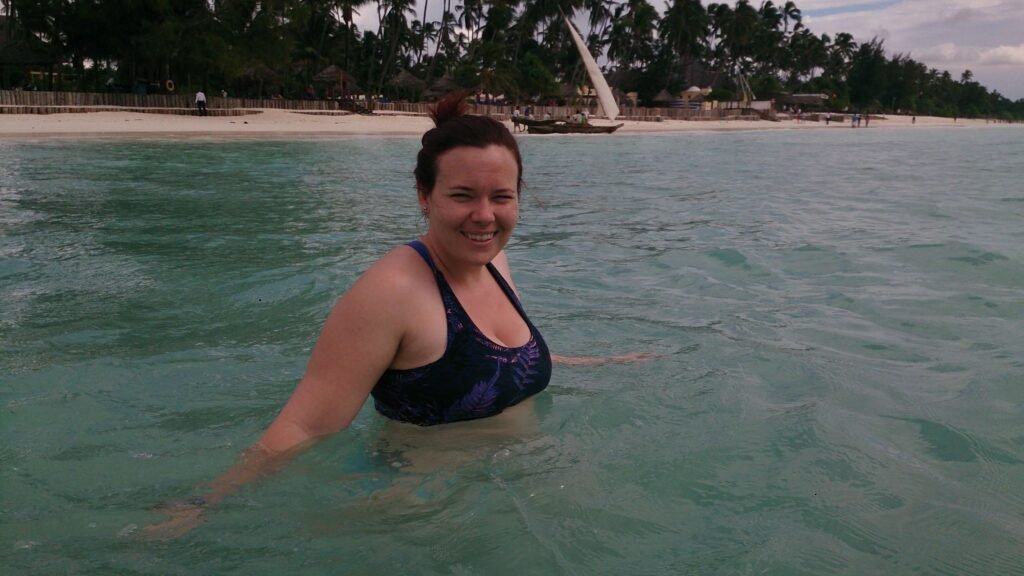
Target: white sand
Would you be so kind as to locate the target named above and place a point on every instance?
(271, 123)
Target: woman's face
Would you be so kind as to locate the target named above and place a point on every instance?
(474, 205)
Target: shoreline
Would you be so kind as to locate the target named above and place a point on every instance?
(272, 124)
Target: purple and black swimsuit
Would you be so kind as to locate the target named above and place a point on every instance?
(475, 377)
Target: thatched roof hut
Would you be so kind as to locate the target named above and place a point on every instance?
(335, 82)
(804, 101)
(22, 49)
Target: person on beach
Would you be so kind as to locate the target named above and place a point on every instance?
(434, 331)
(201, 103)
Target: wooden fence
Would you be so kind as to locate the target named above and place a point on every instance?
(96, 99)
(32, 102)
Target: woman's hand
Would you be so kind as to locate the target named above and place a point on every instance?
(599, 360)
(182, 518)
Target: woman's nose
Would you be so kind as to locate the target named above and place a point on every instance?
(483, 211)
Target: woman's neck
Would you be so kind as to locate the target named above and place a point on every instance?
(467, 275)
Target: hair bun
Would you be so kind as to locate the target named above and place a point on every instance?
(450, 107)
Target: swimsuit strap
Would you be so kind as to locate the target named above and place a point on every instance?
(509, 293)
(423, 252)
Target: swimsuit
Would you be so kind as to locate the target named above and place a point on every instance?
(475, 377)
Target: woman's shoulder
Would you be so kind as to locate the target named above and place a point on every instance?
(400, 272)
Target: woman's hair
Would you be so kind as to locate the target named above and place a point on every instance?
(453, 128)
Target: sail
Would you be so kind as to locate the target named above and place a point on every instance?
(604, 93)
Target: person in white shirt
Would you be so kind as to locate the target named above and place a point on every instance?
(201, 103)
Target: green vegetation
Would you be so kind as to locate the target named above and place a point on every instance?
(517, 48)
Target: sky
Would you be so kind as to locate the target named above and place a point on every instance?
(984, 36)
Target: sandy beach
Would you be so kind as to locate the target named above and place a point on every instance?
(271, 123)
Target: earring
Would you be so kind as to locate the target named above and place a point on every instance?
(425, 211)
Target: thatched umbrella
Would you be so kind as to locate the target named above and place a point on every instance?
(442, 86)
(663, 96)
(407, 83)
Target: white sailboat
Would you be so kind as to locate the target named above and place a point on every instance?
(604, 98)
(604, 93)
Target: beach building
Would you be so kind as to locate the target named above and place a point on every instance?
(25, 60)
(805, 102)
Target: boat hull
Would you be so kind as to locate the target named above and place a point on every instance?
(522, 121)
(572, 129)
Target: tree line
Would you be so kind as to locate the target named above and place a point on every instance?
(519, 48)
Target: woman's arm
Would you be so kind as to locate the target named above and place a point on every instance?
(357, 344)
(598, 360)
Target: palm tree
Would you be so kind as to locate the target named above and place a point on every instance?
(839, 55)
(347, 8)
(807, 52)
(768, 39)
(445, 36)
(631, 39)
(790, 13)
(599, 19)
(683, 28)
(395, 32)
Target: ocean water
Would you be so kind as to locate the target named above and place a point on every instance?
(839, 387)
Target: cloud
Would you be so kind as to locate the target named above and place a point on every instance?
(947, 53)
(1003, 56)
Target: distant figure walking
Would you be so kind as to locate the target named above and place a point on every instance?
(828, 118)
(867, 120)
(913, 120)
(200, 103)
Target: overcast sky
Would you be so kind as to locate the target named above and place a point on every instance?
(985, 36)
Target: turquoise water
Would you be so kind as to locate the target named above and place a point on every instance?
(838, 314)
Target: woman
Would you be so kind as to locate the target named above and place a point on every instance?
(434, 330)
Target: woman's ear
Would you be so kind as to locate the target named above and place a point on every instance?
(423, 200)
